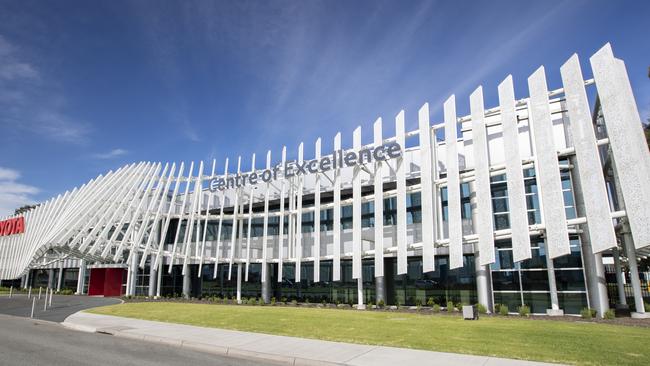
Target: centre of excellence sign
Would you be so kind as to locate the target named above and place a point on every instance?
(337, 160)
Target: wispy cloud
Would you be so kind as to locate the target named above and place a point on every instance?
(189, 131)
(12, 193)
(30, 103)
(111, 154)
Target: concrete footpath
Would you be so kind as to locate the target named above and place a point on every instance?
(281, 349)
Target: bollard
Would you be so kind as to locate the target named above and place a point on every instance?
(11, 291)
(45, 302)
(33, 304)
(51, 294)
(29, 293)
(39, 292)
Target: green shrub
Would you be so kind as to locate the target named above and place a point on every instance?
(430, 302)
(273, 301)
(283, 299)
(252, 301)
(610, 314)
(586, 313)
(503, 310)
(418, 302)
(482, 309)
(523, 310)
(436, 308)
(294, 302)
(646, 305)
(450, 306)
(381, 304)
(66, 291)
(307, 300)
(459, 306)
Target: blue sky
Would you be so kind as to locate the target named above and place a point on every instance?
(86, 87)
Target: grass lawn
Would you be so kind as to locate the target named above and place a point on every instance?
(540, 340)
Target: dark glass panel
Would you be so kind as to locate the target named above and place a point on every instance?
(534, 280)
(537, 302)
(570, 280)
(505, 281)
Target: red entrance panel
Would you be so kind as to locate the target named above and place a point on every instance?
(96, 282)
(105, 281)
(113, 282)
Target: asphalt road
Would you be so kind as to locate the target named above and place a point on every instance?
(32, 342)
(62, 305)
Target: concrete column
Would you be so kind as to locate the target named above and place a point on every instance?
(592, 262)
(239, 283)
(552, 286)
(26, 277)
(630, 251)
(595, 274)
(50, 278)
(81, 278)
(159, 277)
(482, 272)
(187, 283)
(266, 285)
(133, 269)
(482, 283)
(153, 276)
(23, 281)
(380, 289)
(360, 304)
(620, 281)
(59, 281)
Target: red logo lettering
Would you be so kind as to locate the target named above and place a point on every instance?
(12, 226)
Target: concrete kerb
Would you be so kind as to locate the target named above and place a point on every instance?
(202, 347)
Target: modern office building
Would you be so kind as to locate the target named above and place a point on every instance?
(515, 204)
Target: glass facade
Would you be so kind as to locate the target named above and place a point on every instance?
(513, 284)
(526, 282)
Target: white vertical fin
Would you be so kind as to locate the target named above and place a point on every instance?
(298, 231)
(356, 208)
(518, 211)
(454, 218)
(400, 135)
(547, 168)
(626, 139)
(265, 229)
(379, 203)
(426, 182)
(336, 263)
(484, 225)
(317, 217)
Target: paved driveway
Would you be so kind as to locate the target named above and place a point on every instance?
(62, 306)
(27, 342)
